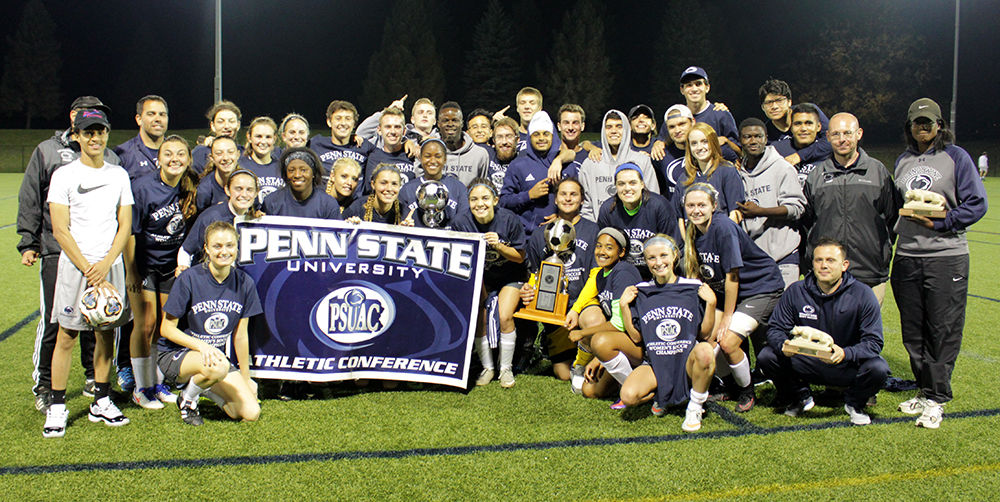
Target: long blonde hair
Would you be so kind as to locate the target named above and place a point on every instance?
(691, 164)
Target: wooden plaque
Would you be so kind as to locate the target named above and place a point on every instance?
(928, 213)
(804, 347)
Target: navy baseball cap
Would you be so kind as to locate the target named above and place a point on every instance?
(637, 109)
(90, 117)
(90, 102)
(693, 72)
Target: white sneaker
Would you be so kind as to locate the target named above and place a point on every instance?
(507, 378)
(576, 379)
(858, 417)
(692, 419)
(931, 417)
(55, 422)
(107, 413)
(164, 395)
(146, 397)
(485, 377)
(914, 406)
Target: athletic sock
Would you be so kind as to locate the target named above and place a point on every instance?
(583, 356)
(101, 390)
(59, 396)
(483, 349)
(618, 367)
(156, 368)
(140, 371)
(697, 400)
(741, 371)
(191, 393)
(508, 341)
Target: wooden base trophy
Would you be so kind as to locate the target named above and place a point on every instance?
(810, 342)
(551, 300)
(923, 203)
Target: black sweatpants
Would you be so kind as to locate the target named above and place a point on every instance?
(45, 335)
(931, 296)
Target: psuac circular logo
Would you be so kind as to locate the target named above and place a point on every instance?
(353, 313)
(216, 323)
(667, 330)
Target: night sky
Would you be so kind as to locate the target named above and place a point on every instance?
(296, 55)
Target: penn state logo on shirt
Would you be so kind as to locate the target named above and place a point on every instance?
(176, 224)
(353, 313)
(921, 178)
(216, 323)
(707, 272)
(808, 312)
(668, 330)
(497, 177)
(265, 191)
(612, 191)
(66, 155)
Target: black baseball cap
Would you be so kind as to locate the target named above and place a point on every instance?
(90, 117)
(637, 109)
(90, 102)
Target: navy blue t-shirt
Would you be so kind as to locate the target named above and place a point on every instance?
(499, 271)
(157, 223)
(210, 193)
(329, 153)
(610, 286)
(497, 169)
(379, 156)
(268, 175)
(357, 208)
(137, 158)
(726, 246)
(725, 179)
(669, 318)
(576, 263)
(208, 310)
(195, 239)
(655, 216)
(458, 194)
(318, 205)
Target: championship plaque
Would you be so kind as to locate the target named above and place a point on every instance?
(810, 342)
(551, 299)
(923, 203)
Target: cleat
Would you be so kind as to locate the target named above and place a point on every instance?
(797, 409)
(146, 397)
(657, 410)
(618, 405)
(913, 406)
(189, 412)
(931, 416)
(126, 380)
(43, 400)
(692, 419)
(746, 399)
(757, 378)
(507, 378)
(164, 395)
(858, 417)
(485, 377)
(108, 413)
(88, 387)
(55, 423)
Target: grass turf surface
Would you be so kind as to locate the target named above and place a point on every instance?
(536, 441)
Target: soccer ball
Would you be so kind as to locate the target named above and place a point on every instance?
(560, 235)
(99, 308)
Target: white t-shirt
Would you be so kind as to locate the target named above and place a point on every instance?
(983, 162)
(93, 196)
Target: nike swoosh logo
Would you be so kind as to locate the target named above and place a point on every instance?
(956, 279)
(922, 107)
(177, 356)
(82, 190)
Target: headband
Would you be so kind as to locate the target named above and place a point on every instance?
(659, 240)
(489, 186)
(303, 156)
(703, 187)
(433, 140)
(244, 171)
(626, 166)
(385, 167)
(615, 234)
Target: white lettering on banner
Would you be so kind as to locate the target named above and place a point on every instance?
(279, 244)
(264, 361)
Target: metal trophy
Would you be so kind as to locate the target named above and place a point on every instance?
(923, 203)
(432, 199)
(551, 299)
(808, 341)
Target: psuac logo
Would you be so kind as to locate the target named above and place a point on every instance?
(667, 330)
(216, 323)
(353, 313)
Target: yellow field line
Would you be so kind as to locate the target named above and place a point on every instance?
(744, 491)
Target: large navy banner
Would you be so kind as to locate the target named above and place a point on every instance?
(345, 301)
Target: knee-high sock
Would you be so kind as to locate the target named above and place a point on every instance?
(191, 392)
(741, 371)
(142, 371)
(618, 367)
(483, 349)
(697, 400)
(508, 341)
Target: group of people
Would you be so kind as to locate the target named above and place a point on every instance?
(689, 241)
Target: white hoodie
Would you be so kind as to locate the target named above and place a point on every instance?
(598, 178)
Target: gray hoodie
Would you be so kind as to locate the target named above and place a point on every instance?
(598, 178)
(469, 162)
(772, 183)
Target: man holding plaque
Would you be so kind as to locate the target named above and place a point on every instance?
(833, 302)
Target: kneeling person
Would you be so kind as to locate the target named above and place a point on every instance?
(216, 300)
(833, 301)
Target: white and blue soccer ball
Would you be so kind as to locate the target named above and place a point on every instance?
(101, 308)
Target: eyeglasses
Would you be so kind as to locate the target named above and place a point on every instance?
(838, 135)
(774, 101)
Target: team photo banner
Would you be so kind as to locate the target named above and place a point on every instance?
(344, 301)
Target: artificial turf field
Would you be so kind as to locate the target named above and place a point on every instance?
(536, 441)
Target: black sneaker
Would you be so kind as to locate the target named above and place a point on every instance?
(89, 387)
(758, 378)
(746, 399)
(43, 399)
(189, 412)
